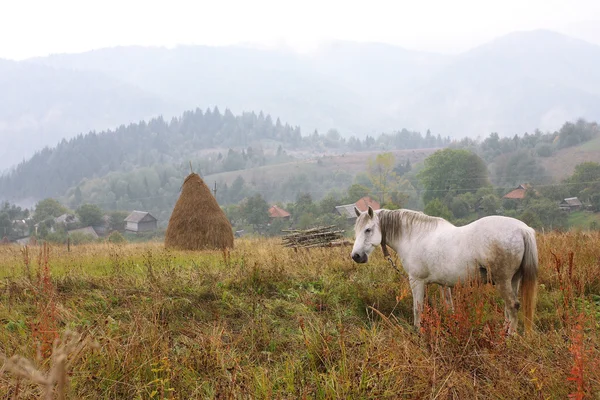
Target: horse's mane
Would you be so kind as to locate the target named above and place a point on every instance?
(395, 223)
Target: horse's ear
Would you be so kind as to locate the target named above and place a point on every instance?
(370, 211)
(357, 211)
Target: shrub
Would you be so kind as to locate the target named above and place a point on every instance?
(116, 237)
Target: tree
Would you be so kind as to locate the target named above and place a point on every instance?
(585, 181)
(77, 197)
(436, 208)
(90, 215)
(452, 170)
(48, 208)
(255, 210)
(116, 220)
(490, 204)
(5, 225)
(520, 167)
(459, 207)
(355, 192)
(13, 211)
(382, 174)
(544, 213)
(328, 203)
(304, 204)
(595, 202)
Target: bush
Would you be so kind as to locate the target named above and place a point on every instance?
(116, 237)
(81, 238)
(56, 237)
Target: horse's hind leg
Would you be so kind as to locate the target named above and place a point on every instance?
(516, 282)
(511, 304)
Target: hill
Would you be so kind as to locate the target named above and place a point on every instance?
(562, 163)
(514, 84)
(149, 159)
(316, 167)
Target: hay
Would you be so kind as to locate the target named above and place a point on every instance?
(197, 222)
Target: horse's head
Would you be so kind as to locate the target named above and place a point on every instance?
(367, 235)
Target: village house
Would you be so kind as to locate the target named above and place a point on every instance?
(570, 204)
(347, 210)
(140, 221)
(278, 213)
(518, 193)
(66, 220)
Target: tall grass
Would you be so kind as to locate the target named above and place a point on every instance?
(266, 322)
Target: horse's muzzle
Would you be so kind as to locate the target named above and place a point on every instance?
(360, 258)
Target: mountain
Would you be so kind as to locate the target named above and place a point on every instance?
(345, 86)
(236, 78)
(40, 105)
(584, 30)
(516, 83)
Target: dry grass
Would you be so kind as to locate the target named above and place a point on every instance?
(267, 322)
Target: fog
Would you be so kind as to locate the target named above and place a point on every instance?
(465, 68)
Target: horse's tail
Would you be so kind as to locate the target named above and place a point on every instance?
(529, 267)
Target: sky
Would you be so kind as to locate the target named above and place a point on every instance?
(30, 28)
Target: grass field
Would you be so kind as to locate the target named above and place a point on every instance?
(583, 220)
(264, 322)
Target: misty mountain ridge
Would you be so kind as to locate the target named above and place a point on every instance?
(516, 83)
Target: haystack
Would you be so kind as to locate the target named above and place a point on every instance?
(197, 221)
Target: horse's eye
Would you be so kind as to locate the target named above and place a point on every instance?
(368, 230)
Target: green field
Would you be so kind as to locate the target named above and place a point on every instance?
(267, 322)
(583, 220)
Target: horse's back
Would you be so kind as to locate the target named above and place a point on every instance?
(498, 226)
(498, 236)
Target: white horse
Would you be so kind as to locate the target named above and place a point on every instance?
(432, 250)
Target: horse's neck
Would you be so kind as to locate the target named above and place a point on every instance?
(404, 230)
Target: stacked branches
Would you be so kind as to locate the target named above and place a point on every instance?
(326, 236)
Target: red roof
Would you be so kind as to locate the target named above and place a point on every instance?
(276, 212)
(364, 203)
(518, 193)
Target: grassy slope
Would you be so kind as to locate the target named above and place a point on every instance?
(581, 220)
(352, 163)
(269, 322)
(562, 164)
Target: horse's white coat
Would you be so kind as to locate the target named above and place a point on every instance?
(432, 250)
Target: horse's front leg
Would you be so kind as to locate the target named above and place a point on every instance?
(418, 291)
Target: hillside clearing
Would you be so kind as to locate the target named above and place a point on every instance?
(351, 163)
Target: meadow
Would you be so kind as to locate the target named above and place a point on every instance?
(136, 321)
